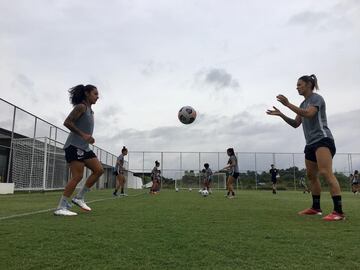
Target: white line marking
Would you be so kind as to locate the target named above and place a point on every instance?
(52, 209)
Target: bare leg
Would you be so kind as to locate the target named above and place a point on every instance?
(324, 161)
(77, 171)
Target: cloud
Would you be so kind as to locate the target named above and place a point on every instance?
(152, 67)
(309, 18)
(217, 79)
(341, 16)
(23, 84)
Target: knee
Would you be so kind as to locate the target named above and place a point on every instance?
(325, 173)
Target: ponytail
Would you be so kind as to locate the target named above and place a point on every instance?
(77, 93)
(310, 79)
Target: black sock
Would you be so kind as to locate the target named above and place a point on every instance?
(233, 193)
(122, 191)
(228, 193)
(115, 191)
(337, 204)
(316, 202)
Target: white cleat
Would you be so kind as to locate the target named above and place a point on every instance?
(81, 204)
(64, 212)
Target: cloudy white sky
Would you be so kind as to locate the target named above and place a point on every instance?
(228, 59)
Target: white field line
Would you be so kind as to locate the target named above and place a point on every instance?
(52, 209)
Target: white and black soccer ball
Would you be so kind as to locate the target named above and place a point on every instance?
(177, 189)
(187, 115)
(205, 193)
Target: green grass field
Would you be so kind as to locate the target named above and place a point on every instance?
(257, 230)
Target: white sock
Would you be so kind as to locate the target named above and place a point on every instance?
(82, 192)
(63, 202)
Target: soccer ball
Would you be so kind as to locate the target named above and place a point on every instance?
(205, 193)
(176, 189)
(190, 189)
(187, 115)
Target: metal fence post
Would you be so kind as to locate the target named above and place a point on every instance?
(11, 147)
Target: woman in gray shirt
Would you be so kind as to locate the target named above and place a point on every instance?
(77, 150)
(320, 146)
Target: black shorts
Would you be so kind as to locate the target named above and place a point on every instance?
(274, 181)
(354, 183)
(235, 174)
(72, 153)
(310, 149)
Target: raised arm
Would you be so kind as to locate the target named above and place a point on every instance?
(308, 112)
(292, 122)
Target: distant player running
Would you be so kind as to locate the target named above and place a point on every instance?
(320, 145)
(156, 178)
(234, 172)
(120, 173)
(77, 151)
(207, 174)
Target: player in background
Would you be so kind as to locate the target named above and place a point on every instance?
(78, 154)
(156, 178)
(207, 177)
(320, 146)
(274, 175)
(303, 184)
(355, 182)
(120, 173)
(234, 172)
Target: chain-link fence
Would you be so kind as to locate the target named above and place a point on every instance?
(179, 169)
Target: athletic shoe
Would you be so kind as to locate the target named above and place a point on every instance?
(64, 212)
(310, 212)
(81, 204)
(334, 216)
(231, 197)
(115, 194)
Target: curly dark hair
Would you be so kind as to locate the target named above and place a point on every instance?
(77, 93)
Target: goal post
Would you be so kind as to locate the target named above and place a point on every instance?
(38, 164)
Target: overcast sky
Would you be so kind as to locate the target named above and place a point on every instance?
(228, 59)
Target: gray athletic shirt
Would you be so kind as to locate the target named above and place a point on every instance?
(236, 168)
(208, 173)
(315, 128)
(86, 124)
(120, 163)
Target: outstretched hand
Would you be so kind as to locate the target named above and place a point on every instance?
(282, 99)
(275, 111)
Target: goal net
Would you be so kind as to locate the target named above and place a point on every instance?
(38, 164)
(192, 180)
